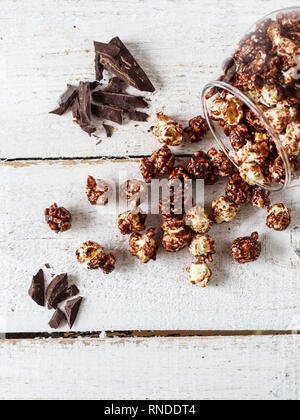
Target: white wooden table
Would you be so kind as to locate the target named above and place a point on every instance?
(233, 339)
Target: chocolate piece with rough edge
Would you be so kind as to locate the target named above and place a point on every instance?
(72, 309)
(108, 129)
(107, 50)
(66, 100)
(111, 113)
(124, 66)
(57, 287)
(37, 288)
(84, 93)
(71, 292)
(94, 85)
(122, 100)
(114, 85)
(138, 116)
(57, 319)
(98, 68)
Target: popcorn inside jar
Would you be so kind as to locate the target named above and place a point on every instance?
(253, 107)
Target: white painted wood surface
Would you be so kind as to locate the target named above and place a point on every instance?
(262, 368)
(46, 44)
(158, 296)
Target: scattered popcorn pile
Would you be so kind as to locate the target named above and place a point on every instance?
(264, 68)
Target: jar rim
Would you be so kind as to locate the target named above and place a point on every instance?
(247, 101)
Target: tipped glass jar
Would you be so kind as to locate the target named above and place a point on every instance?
(253, 108)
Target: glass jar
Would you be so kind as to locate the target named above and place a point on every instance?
(253, 109)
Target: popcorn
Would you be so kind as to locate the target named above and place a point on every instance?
(198, 220)
(58, 218)
(160, 163)
(224, 210)
(98, 191)
(239, 135)
(284, 46)
(271, 95)
(197, 129)
(280, 116)
(253, 174)
(277, 170)
(131, 221)
(261, 198)
(144, 247)
(202, 247)
(238, 190)
(279, 217)
(200, 166)
(221, 164)
(176, 237)
(92, 257)
(247, 249)
(133, 192)
(291, 139)
(168, 131)
(227, 110)
(200, 273)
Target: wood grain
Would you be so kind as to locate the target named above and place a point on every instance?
(262, 368)
(258, 296)
(46, 44)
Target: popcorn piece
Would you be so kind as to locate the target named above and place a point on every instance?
(277, 170)
(131, 221)
(58, 218)
(202, 247)
(238, 190)
(254, 121)
(224, 210)
(227, 110)
(271, 95)
(197, 129)
(239, 136)
(98, 191)
(222, 165)
(291, 139)
(200, 166)
(198, 220)
(247, 249)
(284, 46)
(253, 174)
(252, 152)
(200, 273)
(168, 131)
(133, 192)
(176, 237)
(281, 115)
(261, 198)
(279, 217)
(289, 21)
(160, 163)
(144, 247)
(92, 256)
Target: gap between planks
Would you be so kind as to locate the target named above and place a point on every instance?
(146, 334)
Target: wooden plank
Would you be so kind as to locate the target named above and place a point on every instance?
(180, 44)
(246, 368)
(258, 296)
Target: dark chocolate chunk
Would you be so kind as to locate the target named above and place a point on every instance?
(84, 93)
(66, 100)
(94, 85)
(114, 85)
(37, 288)
(111, 113)
(138, 116)
(57, 319)
(88, 128)
(109, 130)
(123, 65)
(107, 50)
(71, 292)
(75, 109)
(72, 309)
(57, 287)
(122, 100)
(98, 68)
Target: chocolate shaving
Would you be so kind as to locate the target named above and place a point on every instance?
(37, 288)
(56, 288)
(122, 64)
(57, 319)
(107, 112)
(138, 116)
(71, 292)
(66, 100)
(122, 100)
(72, 309)
(114, 85)
(81, 108)
(98, 68)
(109, 130)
